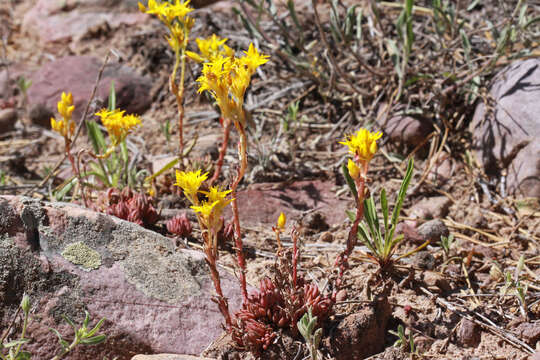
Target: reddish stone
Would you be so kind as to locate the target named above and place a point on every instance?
(77, 74)
(55, 21)
(156, 298)
(262, 203)
(508, 133)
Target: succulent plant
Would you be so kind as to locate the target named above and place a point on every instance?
(128, 205)
(180, 225)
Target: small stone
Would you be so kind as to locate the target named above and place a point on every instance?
(431, 208)
(41, 115)
(469, 334)
(326, 237)
(341, 295)
(410, 233)
(315, 221)
(433, 230)
(405, 130)
(207, 145)
(443, 169)
(159, 163)
(423, 260)
(530, 332)
(433, 279)
(8, 118)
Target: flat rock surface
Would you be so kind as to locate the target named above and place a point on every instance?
(54, 21)
(156, 299)
(262, 203)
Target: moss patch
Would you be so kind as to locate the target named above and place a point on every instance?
(80, 254)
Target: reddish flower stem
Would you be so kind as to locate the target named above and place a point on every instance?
(294, 235)
(352, 239)
(242, 149)
(214, 274)
(226, 132)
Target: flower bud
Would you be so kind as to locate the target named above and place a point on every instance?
(25, 304)
(354, 170)
(282, 220)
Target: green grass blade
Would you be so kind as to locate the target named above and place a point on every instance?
(112, 98)
(402, 192)
(96, 137)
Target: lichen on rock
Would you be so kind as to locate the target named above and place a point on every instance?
(80, 254)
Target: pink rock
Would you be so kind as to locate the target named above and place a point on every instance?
(55, 21)
(507, 135)
(77, 74)
(156, 299)
(431, 208)
(261, 203)
(404, 130)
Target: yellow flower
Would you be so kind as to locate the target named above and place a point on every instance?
(363, 144)
(117, 124)
(154, 7)
(215, 194)
(210, 48)
(254, 59)
(65, 126)
(190, 182)
(65, 106)
(354, 170)
(282, 220)
(226, 78)
(205, 209)
(165, 11)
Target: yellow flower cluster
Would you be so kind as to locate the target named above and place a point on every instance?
(209, 210)
(65, 126)
(227, 78)
(190, 182)
(363, 144)
(174, 16)
(118, 124)
(211, 48)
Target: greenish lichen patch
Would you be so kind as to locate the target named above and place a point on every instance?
(80, 254)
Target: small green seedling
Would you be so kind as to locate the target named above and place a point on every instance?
(306, 326)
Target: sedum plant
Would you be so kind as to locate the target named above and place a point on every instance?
(174, 15)
(111, 161)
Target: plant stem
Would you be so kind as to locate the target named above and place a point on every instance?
(222, 150)
(242, 152)
(352, 239)
(211, 259)
(25, 325)
(72, 346)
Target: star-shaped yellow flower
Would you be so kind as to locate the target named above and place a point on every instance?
(363, 144)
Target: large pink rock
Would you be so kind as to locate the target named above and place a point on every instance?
(262, 203)
(77, 74)
(156, 298)
(55, 21)
(506, 136)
